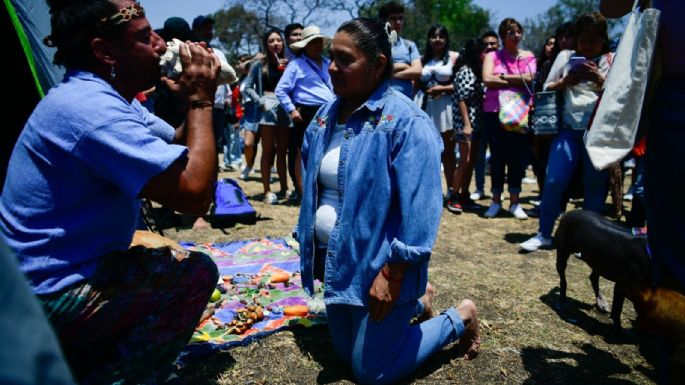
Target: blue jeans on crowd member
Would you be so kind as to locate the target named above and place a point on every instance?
(386, 351)
(665, 183)
(507, 150)
(218, 125)
(566, 153)
(232, 148)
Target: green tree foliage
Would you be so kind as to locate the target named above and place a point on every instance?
(238, 30)
(462, 18)
(538, 29)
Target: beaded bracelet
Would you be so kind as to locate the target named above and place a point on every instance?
(387, 276)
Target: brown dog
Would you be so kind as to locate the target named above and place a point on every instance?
(662, 312)
(610, 250)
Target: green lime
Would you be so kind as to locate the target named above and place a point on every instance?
(216, 295)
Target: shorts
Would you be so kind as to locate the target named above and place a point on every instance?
(273, 113)
(250, 117)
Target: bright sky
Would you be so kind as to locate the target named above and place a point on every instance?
(159, 10)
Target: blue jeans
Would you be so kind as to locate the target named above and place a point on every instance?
(386, 351)
(507, 150)
(565, 154)
(232, 147)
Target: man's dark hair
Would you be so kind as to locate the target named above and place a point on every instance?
(489, 33)
(388, 9)
(290, 28)
(202, 20)
(176, 28)
(74, 24)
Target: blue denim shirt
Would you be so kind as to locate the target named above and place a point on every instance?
(390, 196)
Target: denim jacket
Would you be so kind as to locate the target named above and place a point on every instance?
(390, 196)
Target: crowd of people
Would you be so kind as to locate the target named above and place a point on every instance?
(364, 135)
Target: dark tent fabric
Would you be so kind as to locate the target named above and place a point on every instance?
(24, 24)
(34, 17)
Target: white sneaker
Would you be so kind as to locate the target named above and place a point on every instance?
(536, 242)
(628, 197)
(246, 173)
(518, 212)
(493, 210)
(475, 196)
(270, 198)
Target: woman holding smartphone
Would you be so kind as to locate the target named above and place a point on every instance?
(579, 74)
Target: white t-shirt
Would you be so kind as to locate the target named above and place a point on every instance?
(329, 198)
(579, 100)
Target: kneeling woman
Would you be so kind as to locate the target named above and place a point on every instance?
(370, 213)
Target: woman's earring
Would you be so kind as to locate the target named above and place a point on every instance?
(112, 73)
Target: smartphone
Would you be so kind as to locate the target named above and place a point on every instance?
(577, 62)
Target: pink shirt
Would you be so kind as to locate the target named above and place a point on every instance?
(506, 64)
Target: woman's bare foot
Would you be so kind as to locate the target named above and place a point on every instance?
(427, 300)
(469, 343)
(200, 224)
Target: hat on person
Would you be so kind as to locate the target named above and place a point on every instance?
(308, 34)
(201, 20)
(176, 28)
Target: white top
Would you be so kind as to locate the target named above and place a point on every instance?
(438, 71)
(579, 100)
(329, 193)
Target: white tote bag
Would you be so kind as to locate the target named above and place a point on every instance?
(612, 133)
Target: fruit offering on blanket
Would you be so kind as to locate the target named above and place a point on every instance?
(216, 295)
(245, 318)
(296, 310)
(279, 277)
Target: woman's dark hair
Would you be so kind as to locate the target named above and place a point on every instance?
(265, 42)
(470, 56)
(593, 22)
(541, 57)
(74, 24)
(265, 45)
(566, 29)
(506, 25)
(388, 9)
(372, 39)
(428, 52)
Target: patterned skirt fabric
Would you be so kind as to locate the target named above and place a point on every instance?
(128, 322)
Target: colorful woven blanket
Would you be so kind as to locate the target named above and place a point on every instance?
(261, 293)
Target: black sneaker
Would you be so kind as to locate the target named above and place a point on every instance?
(469, 205)
(453, 206)
(534, 212)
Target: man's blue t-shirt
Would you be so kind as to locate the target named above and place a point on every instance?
(404, 51)
(71, 193)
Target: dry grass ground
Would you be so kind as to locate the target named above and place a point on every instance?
(525, 341)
